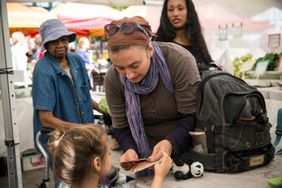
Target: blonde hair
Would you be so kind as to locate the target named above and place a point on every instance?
(84, 42)
(74, 150)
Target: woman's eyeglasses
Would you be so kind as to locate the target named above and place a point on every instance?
(64, 40)
(125, 28)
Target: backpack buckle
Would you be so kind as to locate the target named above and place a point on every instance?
(278, 131)
(216, 129)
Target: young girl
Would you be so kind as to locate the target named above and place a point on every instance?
(82, 157)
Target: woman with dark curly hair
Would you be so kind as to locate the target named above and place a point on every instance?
(180, 24)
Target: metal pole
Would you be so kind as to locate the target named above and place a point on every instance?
(8, 102)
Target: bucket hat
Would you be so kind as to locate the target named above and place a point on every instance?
(54, 29)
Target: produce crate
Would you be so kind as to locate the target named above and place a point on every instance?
(32, 160)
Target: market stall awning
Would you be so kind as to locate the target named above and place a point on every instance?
(151, 13)
(102, 2)
(213, 15)
(91, 17)
(92, 26)
(85, 11)
(26, 19)
(273, 15)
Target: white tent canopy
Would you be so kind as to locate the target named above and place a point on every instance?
(151, 13)
(273, 15)
(102, 2)
(86, 11)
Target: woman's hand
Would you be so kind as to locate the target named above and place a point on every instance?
(163, 146)
(129, 155)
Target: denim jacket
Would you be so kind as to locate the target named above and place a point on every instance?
(54, 91)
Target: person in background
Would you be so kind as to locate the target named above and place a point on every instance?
(179, 23)
(33, 53)
(84, 153)
(96, 79)
(60, 90)
(19, 49)
(35, 48)
(151, 92)
(83, 46)
(38, 47)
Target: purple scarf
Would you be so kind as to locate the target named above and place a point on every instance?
(158, 68)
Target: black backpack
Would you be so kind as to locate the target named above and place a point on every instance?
(232, 116)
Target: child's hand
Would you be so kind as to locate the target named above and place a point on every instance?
(163, 166)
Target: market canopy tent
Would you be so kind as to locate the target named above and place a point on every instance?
(152, 13)
(90, 20)
(273, 15)
(213, 15)
(26, 19)
(86, 27)
(215, 11)
(102, 2)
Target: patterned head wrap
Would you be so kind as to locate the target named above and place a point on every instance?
(136, 38)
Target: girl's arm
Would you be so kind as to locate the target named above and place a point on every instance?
(161, 169)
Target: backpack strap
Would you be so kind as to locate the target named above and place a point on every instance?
(278, 131)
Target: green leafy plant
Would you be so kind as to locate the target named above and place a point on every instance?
(272, 58)
(103, 104)
(120, 8)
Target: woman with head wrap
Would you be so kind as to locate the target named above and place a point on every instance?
(150, 90)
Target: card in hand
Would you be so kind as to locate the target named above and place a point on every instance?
(128, 165)
(142, 166)
(137, 165)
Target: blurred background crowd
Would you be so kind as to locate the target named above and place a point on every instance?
(237, 40)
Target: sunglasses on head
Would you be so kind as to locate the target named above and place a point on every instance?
(125, 28)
